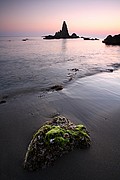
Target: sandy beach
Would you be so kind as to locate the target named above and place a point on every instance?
(93, 101)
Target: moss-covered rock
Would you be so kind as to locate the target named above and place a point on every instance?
(54, 139)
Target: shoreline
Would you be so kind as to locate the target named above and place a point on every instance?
(15, 93)
(93, 101)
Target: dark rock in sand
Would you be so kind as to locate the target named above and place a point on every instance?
(62, 34)
(56, 87)
(52, 140)
(112, 40)
(2, 102)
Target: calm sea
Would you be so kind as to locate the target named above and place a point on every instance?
(37, 64)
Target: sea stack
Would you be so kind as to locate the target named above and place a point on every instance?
(62, 34)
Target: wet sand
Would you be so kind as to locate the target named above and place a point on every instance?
(93, 101)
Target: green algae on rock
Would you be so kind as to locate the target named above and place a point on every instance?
(54, 139)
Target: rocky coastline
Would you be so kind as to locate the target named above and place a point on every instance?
(112, 40)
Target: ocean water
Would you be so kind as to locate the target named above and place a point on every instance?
(37, 64)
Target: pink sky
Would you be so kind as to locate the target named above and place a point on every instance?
(41, 17)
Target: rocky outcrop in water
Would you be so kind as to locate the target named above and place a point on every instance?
(26, 39)
(87, 38)
(112, 40)
(52, 140)
(62, 34)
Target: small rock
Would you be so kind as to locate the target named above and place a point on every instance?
(75, 69)
(26, 39)
(110, 70)
(2, 102)
(57, 87)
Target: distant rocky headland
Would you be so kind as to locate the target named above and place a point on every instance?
(112, 40)
(62, 34)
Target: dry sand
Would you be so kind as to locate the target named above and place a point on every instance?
(93, 101)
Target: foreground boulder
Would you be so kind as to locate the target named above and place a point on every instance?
(54, 139)
(112, 40)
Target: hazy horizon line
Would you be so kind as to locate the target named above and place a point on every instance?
(44, 34)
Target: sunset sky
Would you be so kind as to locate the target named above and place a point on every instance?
(41, 17)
